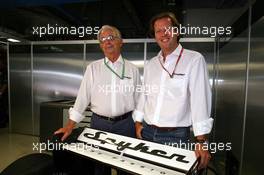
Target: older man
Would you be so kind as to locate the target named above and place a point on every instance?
(184, 95)
(109, 87)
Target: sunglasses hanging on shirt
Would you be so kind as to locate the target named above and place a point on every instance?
(123, 70)
(177, 61)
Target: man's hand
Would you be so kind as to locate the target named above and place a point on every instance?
(66, 131)
(139, 127)
(204, 155)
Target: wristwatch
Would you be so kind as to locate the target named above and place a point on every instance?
(202, 141)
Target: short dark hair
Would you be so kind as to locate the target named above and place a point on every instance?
(174, 21)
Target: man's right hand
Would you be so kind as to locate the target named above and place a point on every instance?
(139, 127)
(67, 130)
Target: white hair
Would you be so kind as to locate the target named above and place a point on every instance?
(112, 28)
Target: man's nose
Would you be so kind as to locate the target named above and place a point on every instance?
(108, 41)
(165, 33)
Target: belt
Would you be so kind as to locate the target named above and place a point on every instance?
(114, 119)
(164, 128)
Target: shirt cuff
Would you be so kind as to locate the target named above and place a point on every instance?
(75, 115)
(203, 127)
(137, 116)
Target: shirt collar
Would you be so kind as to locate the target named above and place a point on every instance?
(118, 61)
(173, 55)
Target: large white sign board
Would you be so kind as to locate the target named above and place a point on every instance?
(135, 155)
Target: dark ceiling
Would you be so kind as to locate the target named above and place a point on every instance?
(18, 17)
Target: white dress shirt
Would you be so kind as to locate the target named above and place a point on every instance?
(181, 101)
(107, 94)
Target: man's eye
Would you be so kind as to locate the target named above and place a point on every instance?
(110, 37)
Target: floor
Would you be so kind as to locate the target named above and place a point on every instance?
(14, 146)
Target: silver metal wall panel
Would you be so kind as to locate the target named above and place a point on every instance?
(230, 89)
(20, 89)
(253, 145)
(134, 52)
(57, 74)
(93, 52)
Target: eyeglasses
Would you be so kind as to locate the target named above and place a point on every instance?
(109, 38)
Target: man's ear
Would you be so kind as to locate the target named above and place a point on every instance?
(121, 42)
(101, 47)
(176, 32)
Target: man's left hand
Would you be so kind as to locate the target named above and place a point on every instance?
(204, 155)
